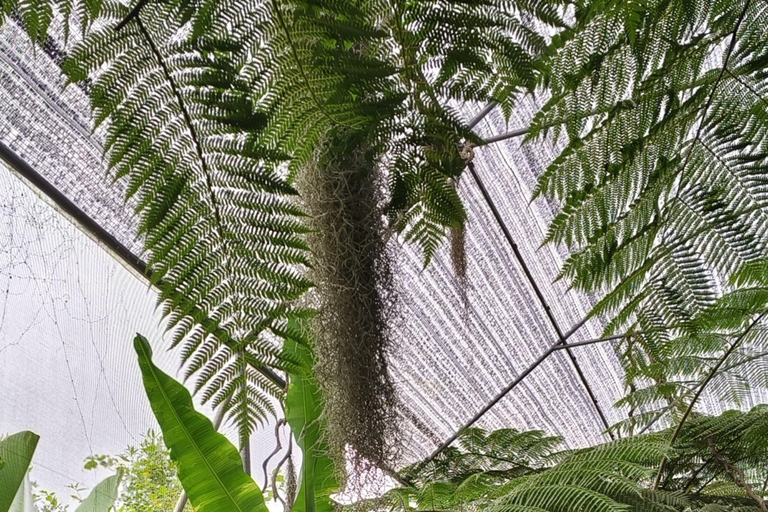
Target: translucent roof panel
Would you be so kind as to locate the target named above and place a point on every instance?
(49, 127)
(68, 314)
(453, 355)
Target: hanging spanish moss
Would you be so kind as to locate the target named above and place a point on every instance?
(459, 263)
(342, 193)
(458, 235)
(459, 250)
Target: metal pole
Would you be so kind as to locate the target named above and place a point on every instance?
(93, 229)
(501, 394)
(505, 136)
(592, 342)
(480, 115)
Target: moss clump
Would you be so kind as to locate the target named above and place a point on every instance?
(354, 294)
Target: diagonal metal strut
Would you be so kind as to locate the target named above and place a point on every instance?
(560, 344)
(562, 337)
(93, 229)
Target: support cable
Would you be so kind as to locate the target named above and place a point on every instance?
(596, 340)
(562, 338)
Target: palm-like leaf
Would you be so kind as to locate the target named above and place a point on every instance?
(209, 466)
(303, 408)
(103, 496)
(24, 500)
(15, 456)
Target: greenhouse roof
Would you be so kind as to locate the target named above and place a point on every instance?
(72, 296)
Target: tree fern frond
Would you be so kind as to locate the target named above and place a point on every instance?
(660, 180)
(223, 236)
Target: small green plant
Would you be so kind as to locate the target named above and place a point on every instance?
(149, 480)
(150, 483)
(48, 501)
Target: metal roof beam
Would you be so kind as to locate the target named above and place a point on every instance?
(93, 229)
(562, 338)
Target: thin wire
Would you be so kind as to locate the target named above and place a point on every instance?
(72, 380)
(539, 295)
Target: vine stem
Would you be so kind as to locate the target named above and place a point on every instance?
(704, 384)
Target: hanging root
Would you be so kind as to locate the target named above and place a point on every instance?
(291, 486)
(278, 447)
(342, 193)
(458, 235)
(458, 247)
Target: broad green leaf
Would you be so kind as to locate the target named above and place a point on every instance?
(103, 496)
(16, 453)
(303, 406)
(24, 500)
(210, 468)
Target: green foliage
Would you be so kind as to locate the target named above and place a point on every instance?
(150, 482)
(37, 16)
(474, 467)
(209, 466)
(667, 368)
(303, 409)
(48, 501)
(509, 470)
(16, 488)
(16, 455)
(202, 102)
(468, 51)
(211, 109)
(660, 180)
(223, 237)
(661, 185)
(716, 452)
(386, 69)
(24, 501)
(720, 463)
(103, 496)
(210, 469)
